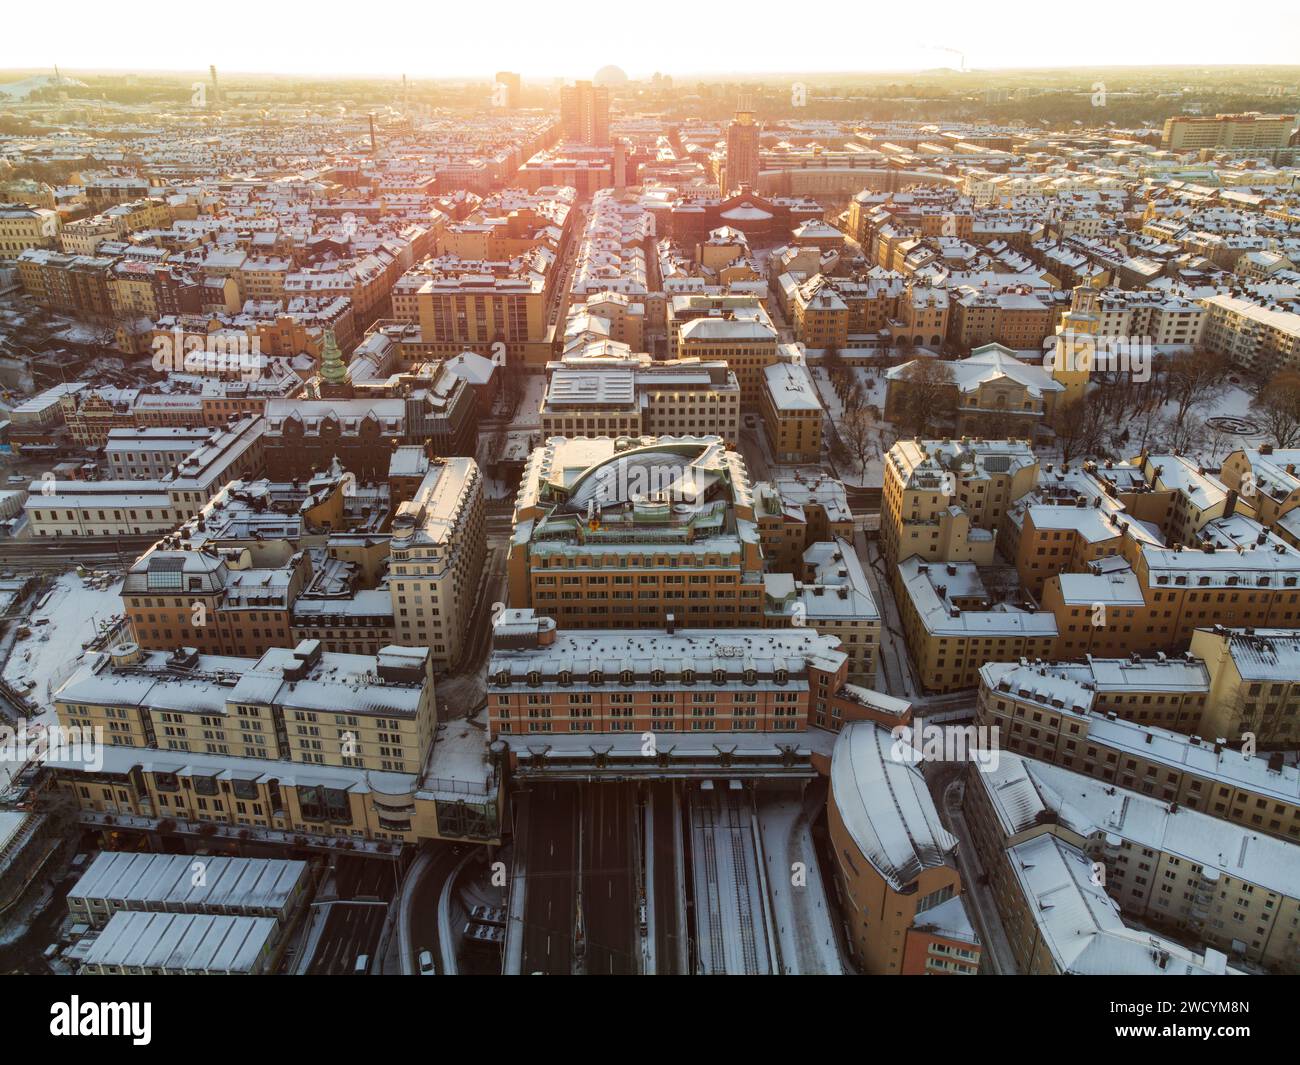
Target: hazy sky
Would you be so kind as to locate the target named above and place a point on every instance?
(546, 38)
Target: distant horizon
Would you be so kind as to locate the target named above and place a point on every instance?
(19, 73)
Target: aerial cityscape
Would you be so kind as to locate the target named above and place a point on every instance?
(592, 519)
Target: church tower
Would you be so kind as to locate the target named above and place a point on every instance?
(1076, 343)
(333, 371)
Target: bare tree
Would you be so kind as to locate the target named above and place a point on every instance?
(1079, 427)
(856, 428)
(1183, 436)
(928, 393)
(1277, 404)
(1192, 378)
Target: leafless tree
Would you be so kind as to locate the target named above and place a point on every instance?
(1277, 405)
(1080, 427)
(1183, 436)
(1192, 379)
(857, 429)
(927, 394)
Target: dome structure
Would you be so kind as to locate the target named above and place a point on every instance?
(610, 75)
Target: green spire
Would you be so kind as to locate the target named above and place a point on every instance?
(332, 369)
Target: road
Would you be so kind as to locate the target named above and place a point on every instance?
(551, 850)
(669, 932)
(609, 894)
(364, 889)
(581, 835)
(424, 907)
(897, 675)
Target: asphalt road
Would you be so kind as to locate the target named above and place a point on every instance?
(668, 931)
(424, 906)
(551, 850)
(581, 834)
(608, 878)
(365, 887)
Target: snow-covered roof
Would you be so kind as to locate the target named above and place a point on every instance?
(885, 805)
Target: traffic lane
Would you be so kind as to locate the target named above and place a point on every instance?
(548, 911)
(608, 884)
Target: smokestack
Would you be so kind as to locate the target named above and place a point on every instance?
(373, 149)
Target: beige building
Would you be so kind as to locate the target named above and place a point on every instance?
(792, 413)
(735, 329)
(943, 500)
(299, 747)
(894, 862)
(595, 391)
(23, 227)
(1092, 717)
(1167, 869)
(952, 626)
(831, 595)
(1250, 130)
(436, 560)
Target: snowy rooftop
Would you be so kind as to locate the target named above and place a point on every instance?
(166, 880)
(190, 942)
(886, 806)
(645, 651)
(1081, 925)
(1021, 789)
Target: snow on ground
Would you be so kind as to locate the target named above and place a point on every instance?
(805, 926)
(873, 391)
(528, 415)
(75, 613)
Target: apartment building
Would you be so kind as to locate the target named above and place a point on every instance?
(436, 562)
(1261, 339)
(792, 413)
(832, 595)
(1167, 868)
(1152, 597)
(1254, 683)
(584, 113)
(150, 453)
(894, 862)
(952, 625)
(1015, 319)
(473, 305)
(825, 311)
(796, 511)
(73, 284)
(1138, 722)
(23, 227)
(734, 329)
(135, 506)
(296, 748)
(1077, 515)
(595, 391)
(1244, 131)
(1265, 479)
(943, 500)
